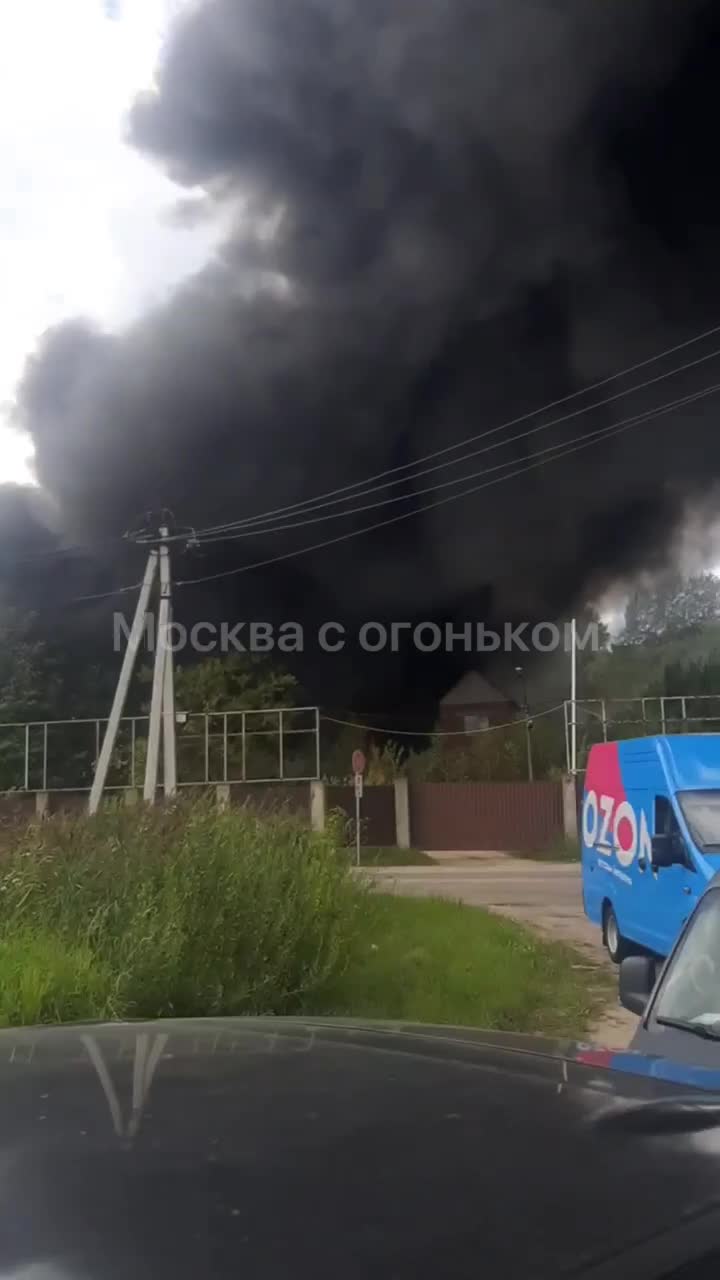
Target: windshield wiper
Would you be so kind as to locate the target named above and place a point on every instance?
(706, 1030)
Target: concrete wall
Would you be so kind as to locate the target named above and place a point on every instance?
(20, 806)
(429, 815)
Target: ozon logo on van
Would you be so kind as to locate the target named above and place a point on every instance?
(614, 824)
(609, 821)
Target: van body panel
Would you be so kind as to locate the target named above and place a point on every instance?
(633, 791)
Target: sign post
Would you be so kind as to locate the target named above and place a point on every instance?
(358, 766)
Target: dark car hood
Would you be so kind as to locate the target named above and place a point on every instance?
(288, 1148)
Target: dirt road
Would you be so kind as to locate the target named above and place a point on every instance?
(545, 896)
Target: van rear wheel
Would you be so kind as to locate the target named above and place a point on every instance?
(617, 946)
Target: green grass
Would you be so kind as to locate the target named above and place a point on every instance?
(392, 857)
(427, 960)
(44, 978)
(171, 912)
(187, 911)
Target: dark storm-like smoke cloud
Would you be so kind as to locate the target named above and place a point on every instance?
(445, 214)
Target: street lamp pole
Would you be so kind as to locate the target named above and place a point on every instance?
(519, 671)
(573, 699)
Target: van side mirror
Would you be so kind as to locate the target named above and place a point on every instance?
(637, 979)
(664, 852)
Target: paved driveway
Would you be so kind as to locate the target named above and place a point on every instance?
(545, 896)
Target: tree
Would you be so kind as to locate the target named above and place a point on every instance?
(23, 694)
(674, 604)
(239, 682)
(692, 680)
(589, 616)
(27, 691)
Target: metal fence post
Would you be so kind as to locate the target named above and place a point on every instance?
(27, 757)
(662, 714)
(567, 738)
(317, 740)
(207, 747)
(225, 747)
(45, 755)
(281, 752)
(604, 720)
(132, 751)
(242, 722)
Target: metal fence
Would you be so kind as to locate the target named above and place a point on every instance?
(278, 745)
(607, 719)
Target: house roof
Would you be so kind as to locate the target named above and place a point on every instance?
(473, 688)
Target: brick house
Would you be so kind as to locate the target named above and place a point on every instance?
(473, 704)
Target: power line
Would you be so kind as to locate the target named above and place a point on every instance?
(447, 733)
(406, 515)
(370, 480)
(557, 450)
(308, 502)
(409, 497)
(105, 595)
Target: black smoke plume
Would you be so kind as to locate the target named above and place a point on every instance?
(445, 213)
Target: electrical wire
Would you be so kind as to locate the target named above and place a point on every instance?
(308, 503)
(474, 475)
(411, 466)
(559, 451)
(381, 524)
(105, 595)
(447, 733)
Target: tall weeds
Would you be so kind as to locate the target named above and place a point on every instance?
(181, 911)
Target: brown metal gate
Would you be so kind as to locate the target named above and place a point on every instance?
(507, 816)
(377, 814)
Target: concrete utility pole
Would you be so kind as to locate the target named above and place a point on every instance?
(113, 724)
(169, 751)
(162, 704)
(162, 709)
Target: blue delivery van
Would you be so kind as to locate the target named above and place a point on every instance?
(650, 836)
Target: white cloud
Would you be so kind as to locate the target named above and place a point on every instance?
(16, 454)
(81, 213)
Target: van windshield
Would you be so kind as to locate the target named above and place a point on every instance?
(701, 810)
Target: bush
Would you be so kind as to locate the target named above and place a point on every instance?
(497, 755)
(182, 911)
